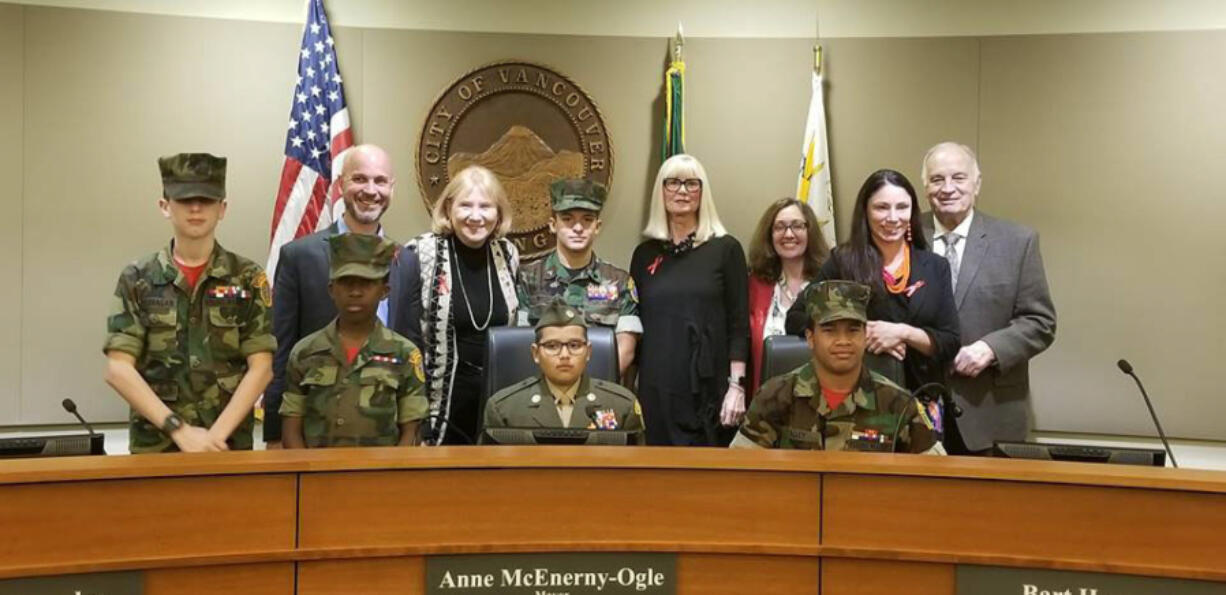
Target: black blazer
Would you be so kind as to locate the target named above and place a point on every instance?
(931, 309)
(300, 306)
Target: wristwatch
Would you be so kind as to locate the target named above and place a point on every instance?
(171, 423)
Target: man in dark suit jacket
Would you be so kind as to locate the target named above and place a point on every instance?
(301, 304)
(1004, 307)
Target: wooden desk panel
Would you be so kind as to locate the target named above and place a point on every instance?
(882, 577)
(730, 574)
(247, 579)
(370, 576)
(1142, 531)
(82, 526)
(585, 507)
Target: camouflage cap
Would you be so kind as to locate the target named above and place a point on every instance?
(574, 193)
(837, 300)
(559, 313)
(360, 255)
(193, 175)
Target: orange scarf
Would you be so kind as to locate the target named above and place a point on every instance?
(898, 283)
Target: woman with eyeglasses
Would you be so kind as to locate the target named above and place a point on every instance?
(690, 277)
(785, 255)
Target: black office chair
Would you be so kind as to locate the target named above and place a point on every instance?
(509, 357)
(782, 354)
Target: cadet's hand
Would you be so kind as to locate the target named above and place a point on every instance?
(274, 445)
(197, 439)
(734, 406)
(973, 359)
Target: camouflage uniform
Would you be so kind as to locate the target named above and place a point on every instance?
(597, 404)
(363, 403)
(790, 411)
(359, 404)
(603, 292)
(191, 345)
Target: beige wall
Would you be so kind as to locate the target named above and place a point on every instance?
(1111, 146)
(12, 45)
(713, 18)
(1092, 139)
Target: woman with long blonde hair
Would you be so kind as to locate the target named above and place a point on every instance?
(691, 277)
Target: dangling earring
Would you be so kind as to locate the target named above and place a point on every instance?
(908, 234)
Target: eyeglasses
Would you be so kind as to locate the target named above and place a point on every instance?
(781, 227)
(675, 184)
(555, 347)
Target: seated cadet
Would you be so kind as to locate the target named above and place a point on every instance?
(834, 402)
(354, 382)
(564, 396)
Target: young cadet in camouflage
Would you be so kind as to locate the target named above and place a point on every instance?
(571, 272)
(870, 414)
(354, 382)
(189, 342)
(564, 396)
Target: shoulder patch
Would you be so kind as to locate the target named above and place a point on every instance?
(262, 290)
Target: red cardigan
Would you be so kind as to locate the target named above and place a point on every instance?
(760, 294)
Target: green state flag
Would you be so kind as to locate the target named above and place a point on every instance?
(674, 111)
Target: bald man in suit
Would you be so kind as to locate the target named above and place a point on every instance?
(1004, 307)
(300, 303)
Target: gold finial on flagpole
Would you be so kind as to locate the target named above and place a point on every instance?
(817, 59)
(678, 43)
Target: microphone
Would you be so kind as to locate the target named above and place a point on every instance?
(927, 393)
(1126, 368)
(71, 407)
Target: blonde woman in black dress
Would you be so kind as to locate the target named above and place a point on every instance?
(692, 287)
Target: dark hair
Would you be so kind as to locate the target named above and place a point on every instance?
(764, 263)
(537, 332)
(858, 258)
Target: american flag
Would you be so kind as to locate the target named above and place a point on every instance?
(318, 138)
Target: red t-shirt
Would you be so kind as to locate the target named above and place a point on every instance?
(834, 398)
(192, 273)
(351, 353)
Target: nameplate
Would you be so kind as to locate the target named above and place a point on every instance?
(991, 580)
(100, 583)
(552, 574)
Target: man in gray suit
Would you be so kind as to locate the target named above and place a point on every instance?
(301, 304)
(1004, 307)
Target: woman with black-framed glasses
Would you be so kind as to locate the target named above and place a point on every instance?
(785, 255)
(691, 281)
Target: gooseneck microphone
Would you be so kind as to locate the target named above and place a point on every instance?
(71, 407)
(1126, 368)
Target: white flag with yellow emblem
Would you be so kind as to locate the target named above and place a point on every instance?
(814, 185)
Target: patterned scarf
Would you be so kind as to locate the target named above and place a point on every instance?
(437, 324)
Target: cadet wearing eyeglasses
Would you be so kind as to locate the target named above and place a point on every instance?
(563, 395)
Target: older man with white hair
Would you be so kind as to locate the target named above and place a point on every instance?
(1004, 307)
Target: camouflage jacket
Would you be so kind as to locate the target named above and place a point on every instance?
(530, 404)
(191, 346)
(359, 404)
(604, 293)
(791, 412)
